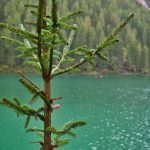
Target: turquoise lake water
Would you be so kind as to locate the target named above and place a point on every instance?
(117, 109)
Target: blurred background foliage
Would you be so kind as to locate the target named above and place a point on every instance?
(99, 17)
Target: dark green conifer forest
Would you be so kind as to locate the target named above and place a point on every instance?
(97, 20)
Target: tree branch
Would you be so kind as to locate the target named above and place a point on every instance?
(115, 32)
(82, 61)
(108, 41)
(65, 50)
(23, 76)
(22, 109)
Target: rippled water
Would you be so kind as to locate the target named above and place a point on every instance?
(117, 109)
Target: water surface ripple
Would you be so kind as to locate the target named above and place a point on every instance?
(117, 109)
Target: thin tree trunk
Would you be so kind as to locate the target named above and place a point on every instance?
(47, 75)
(47, 116)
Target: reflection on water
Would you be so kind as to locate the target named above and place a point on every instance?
(117, 109)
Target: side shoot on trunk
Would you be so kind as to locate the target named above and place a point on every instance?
(43, 50)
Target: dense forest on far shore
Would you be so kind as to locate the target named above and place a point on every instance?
(99, 17)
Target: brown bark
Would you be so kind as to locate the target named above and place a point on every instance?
(47, 73)
(47, 115)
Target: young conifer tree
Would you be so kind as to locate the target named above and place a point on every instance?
(44, 51)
